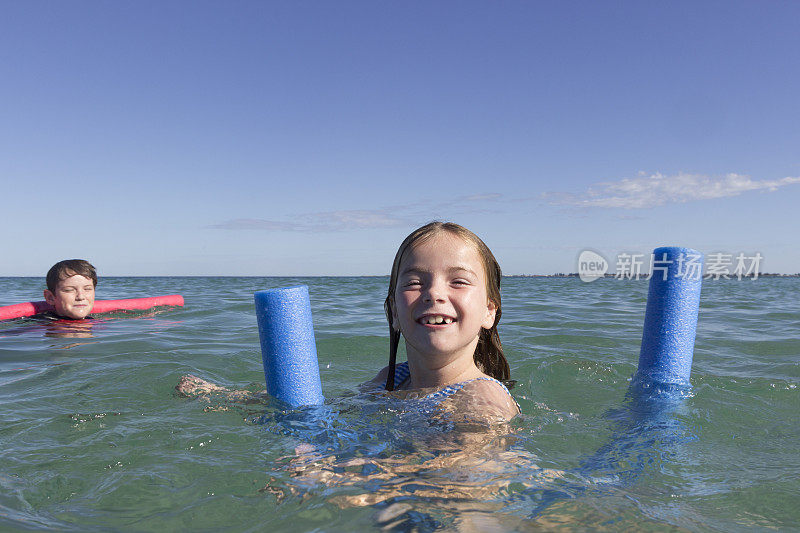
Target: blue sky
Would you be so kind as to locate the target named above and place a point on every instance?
(308, 138)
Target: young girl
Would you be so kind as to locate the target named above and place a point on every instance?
(444, 300)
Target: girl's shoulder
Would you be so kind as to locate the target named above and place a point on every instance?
(381, 377)
(482, 398)
(401, 373)
(375, 383)
(487, 398)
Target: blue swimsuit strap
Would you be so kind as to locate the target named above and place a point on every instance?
(402, 372)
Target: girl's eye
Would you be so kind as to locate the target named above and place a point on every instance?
(460, 282)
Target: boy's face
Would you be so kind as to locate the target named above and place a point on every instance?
(73, 297)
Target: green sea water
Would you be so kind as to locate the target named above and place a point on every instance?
(93, 436)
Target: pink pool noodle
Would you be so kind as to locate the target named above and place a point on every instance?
(100, 306)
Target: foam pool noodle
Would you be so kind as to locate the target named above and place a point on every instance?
(648, 427)
(288, 350)
(670, 322)
(100, 306)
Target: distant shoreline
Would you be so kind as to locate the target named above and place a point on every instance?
(556, 275)
(614, 276)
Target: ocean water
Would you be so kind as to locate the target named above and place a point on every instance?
(94, 437)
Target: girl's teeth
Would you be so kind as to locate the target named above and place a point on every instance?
(438, 319)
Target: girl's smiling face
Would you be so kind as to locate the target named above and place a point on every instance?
(441, 302)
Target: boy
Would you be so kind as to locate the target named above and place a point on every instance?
(70, 289)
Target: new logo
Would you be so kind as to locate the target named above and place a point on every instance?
(591, 266)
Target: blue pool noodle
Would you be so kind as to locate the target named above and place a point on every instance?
(647, 426)
(288, 349)
(670, 321)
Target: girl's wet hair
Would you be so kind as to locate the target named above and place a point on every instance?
(488, 356)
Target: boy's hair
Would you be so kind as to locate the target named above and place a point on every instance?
(488, 356)
(67, 268)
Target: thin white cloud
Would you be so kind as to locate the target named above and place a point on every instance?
(322, 221)
(256, 224)
(355, 219)
(386, 217)
(657, 189)
(482, 197)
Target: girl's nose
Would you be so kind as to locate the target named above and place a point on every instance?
(435, 293)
